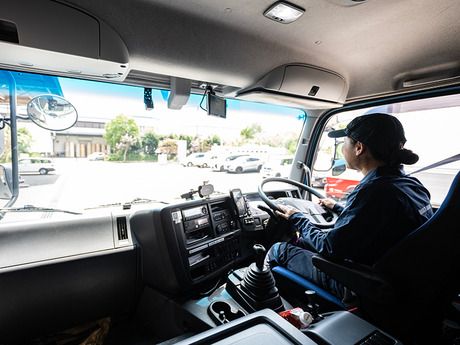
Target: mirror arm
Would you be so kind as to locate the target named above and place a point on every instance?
(7, 120)
(14, 138)
(19, 117)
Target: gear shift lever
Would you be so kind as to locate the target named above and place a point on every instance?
(260, 255)
(256, 288)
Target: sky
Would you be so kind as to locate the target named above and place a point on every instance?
(105, 101)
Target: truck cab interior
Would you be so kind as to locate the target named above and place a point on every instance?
(153, 269)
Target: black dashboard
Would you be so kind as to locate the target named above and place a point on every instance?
(183, 245)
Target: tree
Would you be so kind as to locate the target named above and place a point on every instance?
(215, 140)
(206, 144)
(24, 140)
(168, 146)
(291, 144)
(125, 143)
(150, 143)
(121, 133)
(188, 139)
(251, 131)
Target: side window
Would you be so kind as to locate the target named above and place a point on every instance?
(431, 129)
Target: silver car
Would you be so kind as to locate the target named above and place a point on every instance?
(245, 164)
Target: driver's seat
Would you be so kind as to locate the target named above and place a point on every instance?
(408, 291)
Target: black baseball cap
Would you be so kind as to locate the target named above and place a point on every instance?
(378, 131)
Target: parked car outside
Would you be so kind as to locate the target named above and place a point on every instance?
(245, 164)
(221, 164)
(210, 160)
(198, 159)
(340, 186)
(96, 156)
(35, 165)
(277, 167)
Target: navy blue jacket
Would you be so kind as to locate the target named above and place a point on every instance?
(384, 208)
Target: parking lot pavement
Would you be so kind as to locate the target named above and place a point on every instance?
(38, 180)
(79, 183)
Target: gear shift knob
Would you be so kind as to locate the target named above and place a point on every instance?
(260, 255)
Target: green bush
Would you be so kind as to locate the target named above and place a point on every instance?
(132, 157)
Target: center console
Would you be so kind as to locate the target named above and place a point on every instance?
(267, 327)
(186, 244)
(241, 312)
(209, 234)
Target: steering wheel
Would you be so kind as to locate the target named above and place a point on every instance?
(318, 215)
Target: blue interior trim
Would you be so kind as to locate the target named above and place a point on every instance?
(308, 285)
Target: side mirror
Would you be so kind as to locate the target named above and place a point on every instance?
(6, 181)
(52, 112)
(339, 169)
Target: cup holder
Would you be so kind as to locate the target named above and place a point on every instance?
(222, 312)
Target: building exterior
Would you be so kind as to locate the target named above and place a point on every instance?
(81, 140)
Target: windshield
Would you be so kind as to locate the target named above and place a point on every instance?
(119, 151)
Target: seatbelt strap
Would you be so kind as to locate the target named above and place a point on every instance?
(437, 164)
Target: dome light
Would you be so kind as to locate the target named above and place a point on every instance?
(284, 12)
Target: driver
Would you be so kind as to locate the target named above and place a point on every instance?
(383, 208)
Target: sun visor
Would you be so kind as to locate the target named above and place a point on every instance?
(53, 37)
(299, 85)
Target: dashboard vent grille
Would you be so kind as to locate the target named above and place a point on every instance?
(218, 207)
(122, 228)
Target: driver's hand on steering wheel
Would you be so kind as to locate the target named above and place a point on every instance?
(328, 203)
(287, 211)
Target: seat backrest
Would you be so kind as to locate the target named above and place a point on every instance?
(425, 266)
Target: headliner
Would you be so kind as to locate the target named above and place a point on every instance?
(372, 44)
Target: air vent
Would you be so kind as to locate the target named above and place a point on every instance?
(8, 32)
(218, 207)
(122, 228)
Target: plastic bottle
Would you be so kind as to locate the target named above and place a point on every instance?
(297, 317)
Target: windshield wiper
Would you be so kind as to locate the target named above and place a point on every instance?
(127, 204)
(32, 208)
